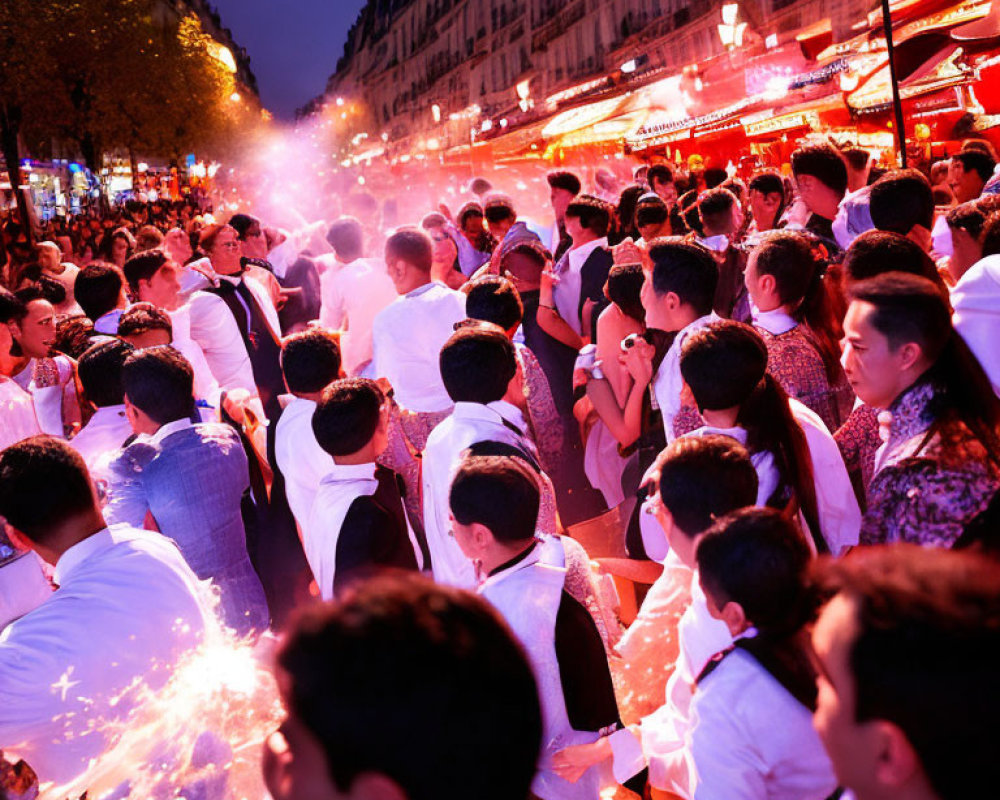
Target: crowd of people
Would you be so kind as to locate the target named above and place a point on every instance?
(688, 489)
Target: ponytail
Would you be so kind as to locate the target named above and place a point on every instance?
(767, 417)
(816, 312)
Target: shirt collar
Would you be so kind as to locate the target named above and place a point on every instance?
(717, 244)
(509, 412)
(108, 323)
(170, 428)
(80, 552)
(107, 414)
(342, 473)
(490, 412)
(578, 255)
(420, 290)
(514, 561)
(776, 321)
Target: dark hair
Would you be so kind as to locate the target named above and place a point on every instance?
(925, 653)
(143, 267)
(767, 183)
(477, 364)
(140, 318)
(758, 558)
(480, 186)
(980, 145)
(310, 361)
(529, 248)
(465, 678)
(911, 309)
(660, 173)
(42, 482)
(148, 237)
(242, 223)
(412, 246)
(823, 162)
(651, 212)
(500, 493)
(714, 176)
(686, 269)
(876, 252)
(801, 283)
(687, 203)
(857, 158)
(73, 334)
(972, 215)
(901, 199)
(12, 307)
(347, 416)
(470, 209)
(346, 237)
(628, 205)
(565, 180)
(593, 214)
(98, 288)
(100, 371)
(725, 366)
(493, 298)
(714, 204)
(704, 477)
(624, 287)
(159, 382)
(978, 160)
(990, 237)
(498, 207)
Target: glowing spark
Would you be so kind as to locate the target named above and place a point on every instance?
(64, 684)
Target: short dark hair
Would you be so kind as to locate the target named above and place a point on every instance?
(12, 308)
(715, 203)
(242, 223)
(565, 180)
(142, 267)
(310, 361)
(411, 245)
(976, 160)
(100, 371)
(758, 557)
(650, 211)
(480, 186)
(714, 176)
(465, 678)
(908, 308)
(140, 318)
(704, 477)
(159, 382)
(477, 364)
(624, 288)
(876, 252)
(901, 199)
(788, 257)
(687, 207)
(470, 209)
(990, 237)
(823, 162)
(347, 416)
(42, 482)
(723, 363)
(498, 207)
(493, 298)
(346, 237)
(97, 288)
(147, 238)
(686, 269)
(971, 216)
(925, 654)
(767, 183)
(498, 492)
(660, 173)
(593, 214)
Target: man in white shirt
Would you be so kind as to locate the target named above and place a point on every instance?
(407, 336)
(677, 295)
(583, 271)
(154, 278)
(100, 291)
(976, 300)
(354, 292)
(126, 609)
(310, 361)
(480, 370)
(358, 522)
(100, 371)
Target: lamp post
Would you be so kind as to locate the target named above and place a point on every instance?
(897, 103)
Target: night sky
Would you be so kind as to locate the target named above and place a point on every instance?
(293, 45)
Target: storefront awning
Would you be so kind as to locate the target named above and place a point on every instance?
(943, 70)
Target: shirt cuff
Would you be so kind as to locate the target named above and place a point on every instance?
(627, 756)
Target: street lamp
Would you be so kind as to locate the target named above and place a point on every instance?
(436, 112)
(731, 31)
(628, 67)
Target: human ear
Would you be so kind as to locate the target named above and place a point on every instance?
(909, 354)
(735, 618)
(896, 761)
(375, 786)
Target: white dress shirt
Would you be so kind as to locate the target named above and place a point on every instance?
(407, 338)
(338, 489)
(101, 439)
(17, 413)
(566, 293)
(352, 297)
(126, 602)
(668, 382)
(976, 300)
(49, 400)
(216, 332)
(206, 387)
(300, 458)
(776, 321)
(751, 739)
(469, 424)
(23, 586)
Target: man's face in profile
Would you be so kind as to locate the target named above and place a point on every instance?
(294, 764)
